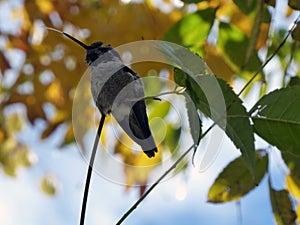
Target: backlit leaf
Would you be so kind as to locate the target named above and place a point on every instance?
(192, 29)
(235, 180)
(172, 137)
(160, 110)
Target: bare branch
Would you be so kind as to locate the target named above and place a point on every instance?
(135, 205)
(90, 169)
(271, 57)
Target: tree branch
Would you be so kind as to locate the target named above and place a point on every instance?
(90, 169)
(135, 205)
(270, 58)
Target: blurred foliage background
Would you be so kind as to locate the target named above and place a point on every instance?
(39, 70)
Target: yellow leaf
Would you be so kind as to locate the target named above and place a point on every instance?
(209, 4)
(14, 123)
(54, 93)
(289, 12)
(49, 184)
(45, 6)
(292, 187)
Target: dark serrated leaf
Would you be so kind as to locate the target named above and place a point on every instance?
(277, 118)
(216, 99)
(195, 122)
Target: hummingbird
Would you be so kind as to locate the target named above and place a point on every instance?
(118, 90)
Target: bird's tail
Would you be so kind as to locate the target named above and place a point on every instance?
(150, 153)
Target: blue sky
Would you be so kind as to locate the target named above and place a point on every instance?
(22, 202)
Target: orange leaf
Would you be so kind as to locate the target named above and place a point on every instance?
(217, 63)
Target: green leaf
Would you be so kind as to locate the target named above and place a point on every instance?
(192, 29)
(195, 122)
(282, 207)
(277, 118)
(171, 139)
(238, 127)
(160, 110)
(234, 44)
(235, 180)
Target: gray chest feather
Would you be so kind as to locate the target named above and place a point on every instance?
(114, 85)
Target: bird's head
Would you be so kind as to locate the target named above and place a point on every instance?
(103, 53)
